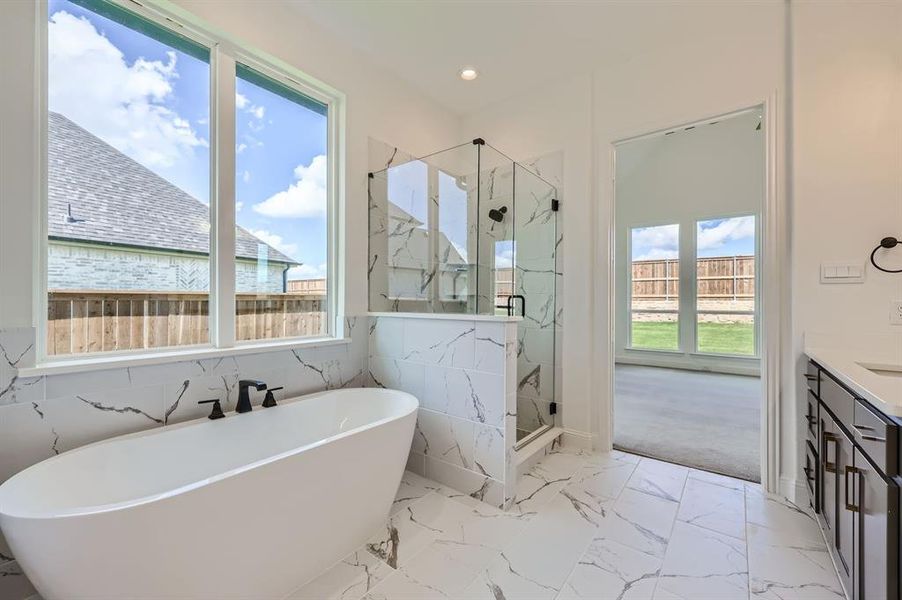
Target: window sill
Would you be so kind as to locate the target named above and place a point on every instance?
(122, 361)
(654, 350)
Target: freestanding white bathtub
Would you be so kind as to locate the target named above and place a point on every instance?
(251, 506)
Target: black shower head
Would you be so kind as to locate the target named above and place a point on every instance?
(497, 214)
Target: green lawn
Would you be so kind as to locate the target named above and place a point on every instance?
(718, 338)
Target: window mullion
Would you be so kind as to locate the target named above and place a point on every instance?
(222, 201)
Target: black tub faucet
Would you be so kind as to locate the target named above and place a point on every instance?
(244, 399)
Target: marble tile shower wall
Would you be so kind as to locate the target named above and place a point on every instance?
(463, 372)
(44, 416)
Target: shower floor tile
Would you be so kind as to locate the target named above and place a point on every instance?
(594, 526)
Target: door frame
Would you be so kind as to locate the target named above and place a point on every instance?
(773, 294)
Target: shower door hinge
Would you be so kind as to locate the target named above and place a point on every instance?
(552, 408)
(555, 204)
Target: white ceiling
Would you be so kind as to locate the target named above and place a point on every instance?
(516, 45)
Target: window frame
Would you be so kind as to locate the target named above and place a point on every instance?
(225, 52)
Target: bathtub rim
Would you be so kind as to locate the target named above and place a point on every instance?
(97, 509)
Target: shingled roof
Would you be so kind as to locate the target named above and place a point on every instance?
(116, 201)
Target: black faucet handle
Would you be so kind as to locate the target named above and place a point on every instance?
(270, 400)
(216, 413)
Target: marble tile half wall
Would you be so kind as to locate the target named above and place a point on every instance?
(463, 371)
(44, 416)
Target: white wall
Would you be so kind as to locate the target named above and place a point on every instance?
(846, 156)
(557, 119)
(847, 160)
(838, 117)
(710, 171)
(738, 64)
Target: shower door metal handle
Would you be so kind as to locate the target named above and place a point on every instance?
(510, 305)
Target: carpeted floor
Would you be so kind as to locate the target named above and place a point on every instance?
(706, 420)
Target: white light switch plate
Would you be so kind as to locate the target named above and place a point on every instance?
(842, 272)
(895, 313)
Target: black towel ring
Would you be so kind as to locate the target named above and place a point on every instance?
(887, 242)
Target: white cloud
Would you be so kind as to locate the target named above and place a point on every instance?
(238, 206)
(657, 254)
(656, 242)
(92, 83)
(504, 259)
(255, 110)
(307, 272)
(305, 198)
(246, 176)
(728, 230)
(287, 248)
(240, 148)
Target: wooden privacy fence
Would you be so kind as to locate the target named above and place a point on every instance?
(720, 278)
(101, 321)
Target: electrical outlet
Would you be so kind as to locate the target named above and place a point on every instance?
(895, 313)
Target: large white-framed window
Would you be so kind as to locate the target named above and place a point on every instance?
(191, 189)
(708, 305)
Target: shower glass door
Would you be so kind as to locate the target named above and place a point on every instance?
(534, 278)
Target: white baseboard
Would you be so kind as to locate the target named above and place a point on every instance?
(732, 366)
(577, 439)
(794, 491)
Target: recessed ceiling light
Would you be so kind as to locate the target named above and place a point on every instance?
(469, 73)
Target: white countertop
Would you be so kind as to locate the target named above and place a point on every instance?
(845, 363)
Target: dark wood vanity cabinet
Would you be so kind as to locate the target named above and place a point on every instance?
(855, 490)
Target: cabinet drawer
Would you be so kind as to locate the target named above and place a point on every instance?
(813, 378)
(835, 397)
(878, 438)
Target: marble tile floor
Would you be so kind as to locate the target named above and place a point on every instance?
(596, 526)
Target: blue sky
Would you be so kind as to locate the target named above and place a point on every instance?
(716, 237)
(152, 103)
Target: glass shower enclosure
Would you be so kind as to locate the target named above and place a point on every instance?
(469, 231)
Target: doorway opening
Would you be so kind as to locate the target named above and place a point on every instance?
(688, 206)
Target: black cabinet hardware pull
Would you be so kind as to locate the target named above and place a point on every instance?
(868, 438)
(850, 506)
(829, 437)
